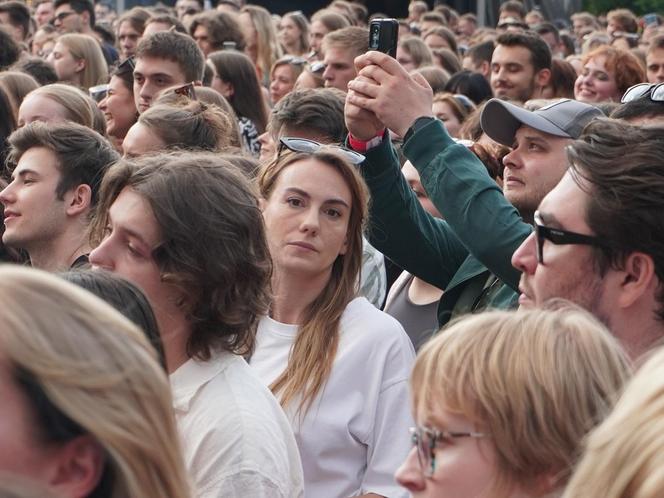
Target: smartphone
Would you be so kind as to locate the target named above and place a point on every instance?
(383, 35)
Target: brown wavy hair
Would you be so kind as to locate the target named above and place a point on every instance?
(311, 358)
(214, 247)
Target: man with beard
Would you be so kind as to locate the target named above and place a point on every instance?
(469, 253)
(520, 66)
(599, 234)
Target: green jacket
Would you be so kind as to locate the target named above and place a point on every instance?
(468, 255)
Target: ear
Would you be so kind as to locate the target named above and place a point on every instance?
(637, 279)
(262, 204)
(485, 68)
(542, 78)
(78, 201)
(79, 468)
(80, 65)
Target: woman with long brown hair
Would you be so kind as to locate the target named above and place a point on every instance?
(338, 364)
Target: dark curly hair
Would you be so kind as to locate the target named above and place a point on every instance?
(214, 247)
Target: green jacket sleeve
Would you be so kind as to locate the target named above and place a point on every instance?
(471, 202)
(401, 229)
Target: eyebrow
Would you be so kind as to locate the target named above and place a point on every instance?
(549, 220)
(128, 231)
(25, 172)
(301, 192)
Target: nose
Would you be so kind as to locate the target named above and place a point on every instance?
(310, 221)
(409, 475)
(100, 257)
(328, 74)
(513, 159)
(524, 258)
(7, 195)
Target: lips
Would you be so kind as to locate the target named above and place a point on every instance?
(10, 215)
(525, 299)
(303, 245)
(512, 180)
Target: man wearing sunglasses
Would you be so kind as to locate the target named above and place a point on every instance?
(469, 253)
(642, 104)
(599, 237)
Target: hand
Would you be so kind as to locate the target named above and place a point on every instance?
(386, 89)
(361, 123)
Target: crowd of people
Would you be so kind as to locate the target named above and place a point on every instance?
(248, 257)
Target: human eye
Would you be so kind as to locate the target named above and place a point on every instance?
(294, 202)
(138, 78)
(534, 146)
(333, 213)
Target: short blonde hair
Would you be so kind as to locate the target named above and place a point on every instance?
(536, 381)
(87, 48)
(624, 456)
(96, 373)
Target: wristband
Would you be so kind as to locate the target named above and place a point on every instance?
(364, 145)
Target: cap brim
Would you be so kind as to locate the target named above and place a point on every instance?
(500, 120)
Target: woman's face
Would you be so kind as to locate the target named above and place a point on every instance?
(444, 112)
(66, 66)
(119, 108)
(289, 32)
(282, 82)
(411, 175)
(37, 107)
(464, 466)
(405, 59)
(596, 83)
(219, 84)
(307, 217)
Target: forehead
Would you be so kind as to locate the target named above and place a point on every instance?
(567, 202)
(598, 62)
(126, 27)
(155, 65)
(46, 109)
(335, 54)
(656, 54)
(65, 7)
(133, 211)
(315, 178)
(527, 132)
(505, 54)
(39, 159)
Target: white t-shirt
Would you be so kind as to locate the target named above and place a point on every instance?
(355, 434)
(237, 440)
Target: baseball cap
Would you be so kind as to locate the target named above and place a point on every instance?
(563, 118)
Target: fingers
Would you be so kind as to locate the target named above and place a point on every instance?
(364, 86)
(360, 101)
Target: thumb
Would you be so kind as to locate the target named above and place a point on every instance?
(421, 80)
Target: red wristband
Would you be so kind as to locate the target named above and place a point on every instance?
(364, 145)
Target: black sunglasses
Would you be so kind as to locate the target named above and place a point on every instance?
(63, 15)
(186, 90)
(653, 90)
(310, 147)
(560, 237)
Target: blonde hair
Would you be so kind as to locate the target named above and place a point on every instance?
(312, 355)
(98, 372)
(268, 49)
(78, 106)
(418, 50)
(536, 381)
(624, 457)
(87, 48)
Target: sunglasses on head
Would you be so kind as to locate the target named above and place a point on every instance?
(653, 90)
(310, 147)
(186, 90)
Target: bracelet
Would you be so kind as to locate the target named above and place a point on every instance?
(364, 145)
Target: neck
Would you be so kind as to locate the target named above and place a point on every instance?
(59, 254)
(174, 330)
(293, 293)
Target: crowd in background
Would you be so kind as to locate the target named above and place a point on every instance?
(246, 256)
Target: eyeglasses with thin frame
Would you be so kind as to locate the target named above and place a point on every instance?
(426, 440)
(560, 237)
(653, 90)
(307, 146)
